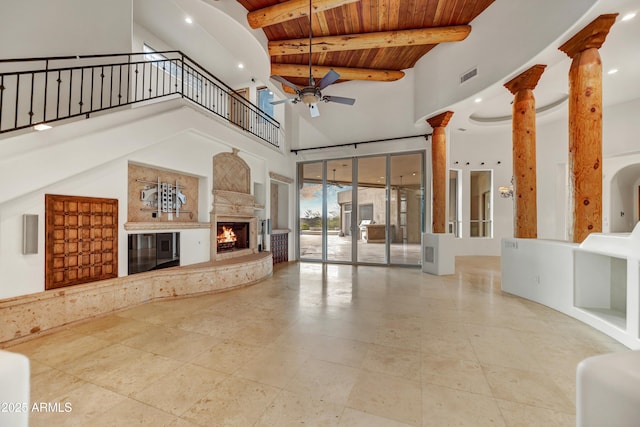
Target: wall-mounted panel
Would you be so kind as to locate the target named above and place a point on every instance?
(81, 243)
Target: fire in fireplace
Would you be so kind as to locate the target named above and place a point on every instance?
(232, 236)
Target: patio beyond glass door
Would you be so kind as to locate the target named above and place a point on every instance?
(339, 210)
(371, 210)
(310, 180)
(405, 208)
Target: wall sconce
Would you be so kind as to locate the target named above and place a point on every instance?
(506, 191)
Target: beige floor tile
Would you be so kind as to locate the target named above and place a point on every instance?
(171, 342)
(180, 390)
(273, 367)
(207, 324)
(92, 366)
(294, 409)
(78, 407)
(393, 361)
(50, 383)
(409, 339)
(58, 348)
(234, 402)
(519, 415)
(501, 346)
(330, 344)
(226, 356)
(112, 328)
(132, 413)
(454, 346)
(260, 333)
(353, 418)
(459, 374)
(387, 396)
(442, 406)
(529, 388)
(181, 422)
(332, 349)
(323, 381)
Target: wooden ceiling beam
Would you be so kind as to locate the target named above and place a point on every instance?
(289, 10)
(377, 40)
(297, 70)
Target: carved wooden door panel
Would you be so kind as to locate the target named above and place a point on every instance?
(81, 242)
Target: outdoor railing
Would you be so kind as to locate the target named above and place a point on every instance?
(43, 90)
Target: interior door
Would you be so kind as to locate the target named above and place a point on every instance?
(238, 112)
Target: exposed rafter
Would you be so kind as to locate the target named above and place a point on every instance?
(377, 40)
(299, 70)
(289, 10)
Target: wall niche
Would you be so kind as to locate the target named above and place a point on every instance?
(159, 195)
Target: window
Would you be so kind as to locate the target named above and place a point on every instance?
(454, 202)
(265, 96)
(480, 203)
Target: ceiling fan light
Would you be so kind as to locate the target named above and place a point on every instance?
(309, 98)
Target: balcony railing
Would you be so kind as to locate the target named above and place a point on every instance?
(44, 90)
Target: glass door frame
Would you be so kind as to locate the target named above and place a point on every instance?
(355, 231)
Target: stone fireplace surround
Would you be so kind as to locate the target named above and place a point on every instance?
(232, 202)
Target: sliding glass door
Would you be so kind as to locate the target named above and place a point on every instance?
(366, 210)
(372, 210)
(339, 210)
(406, 208)
(310, 224)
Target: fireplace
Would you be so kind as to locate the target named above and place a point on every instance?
(232, 236)
(233, 218)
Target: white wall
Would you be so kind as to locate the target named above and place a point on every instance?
(488, 148)
(37, 25)
(531, 25)
(180, 138)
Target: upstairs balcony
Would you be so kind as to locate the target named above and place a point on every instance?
(38, 91)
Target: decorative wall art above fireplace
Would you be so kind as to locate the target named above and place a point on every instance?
(157, 195)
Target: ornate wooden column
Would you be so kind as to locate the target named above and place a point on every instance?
(439, 170)
(585, 127)
(525, 214)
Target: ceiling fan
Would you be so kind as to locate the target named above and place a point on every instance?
(311, 94)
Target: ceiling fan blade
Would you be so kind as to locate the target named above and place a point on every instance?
(313, 110)
(282, 101)
(339, 99)
(328, 78)
(286, 82)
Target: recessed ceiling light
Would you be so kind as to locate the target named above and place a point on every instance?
(414, 174)
(477, 100)
(629, 16)
(188, 20)
(41, 127)
(241, 65)
(612, 71)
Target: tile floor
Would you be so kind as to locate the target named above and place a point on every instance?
(330, 345)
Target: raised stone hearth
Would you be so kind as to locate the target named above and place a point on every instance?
(32, 314)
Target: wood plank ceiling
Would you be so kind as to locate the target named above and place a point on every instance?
(352, 57)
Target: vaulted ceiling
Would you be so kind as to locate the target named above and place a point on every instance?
(360, 39)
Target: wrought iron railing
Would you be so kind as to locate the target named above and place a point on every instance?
(43, 90)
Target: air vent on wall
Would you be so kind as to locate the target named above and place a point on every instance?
(469, 74)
